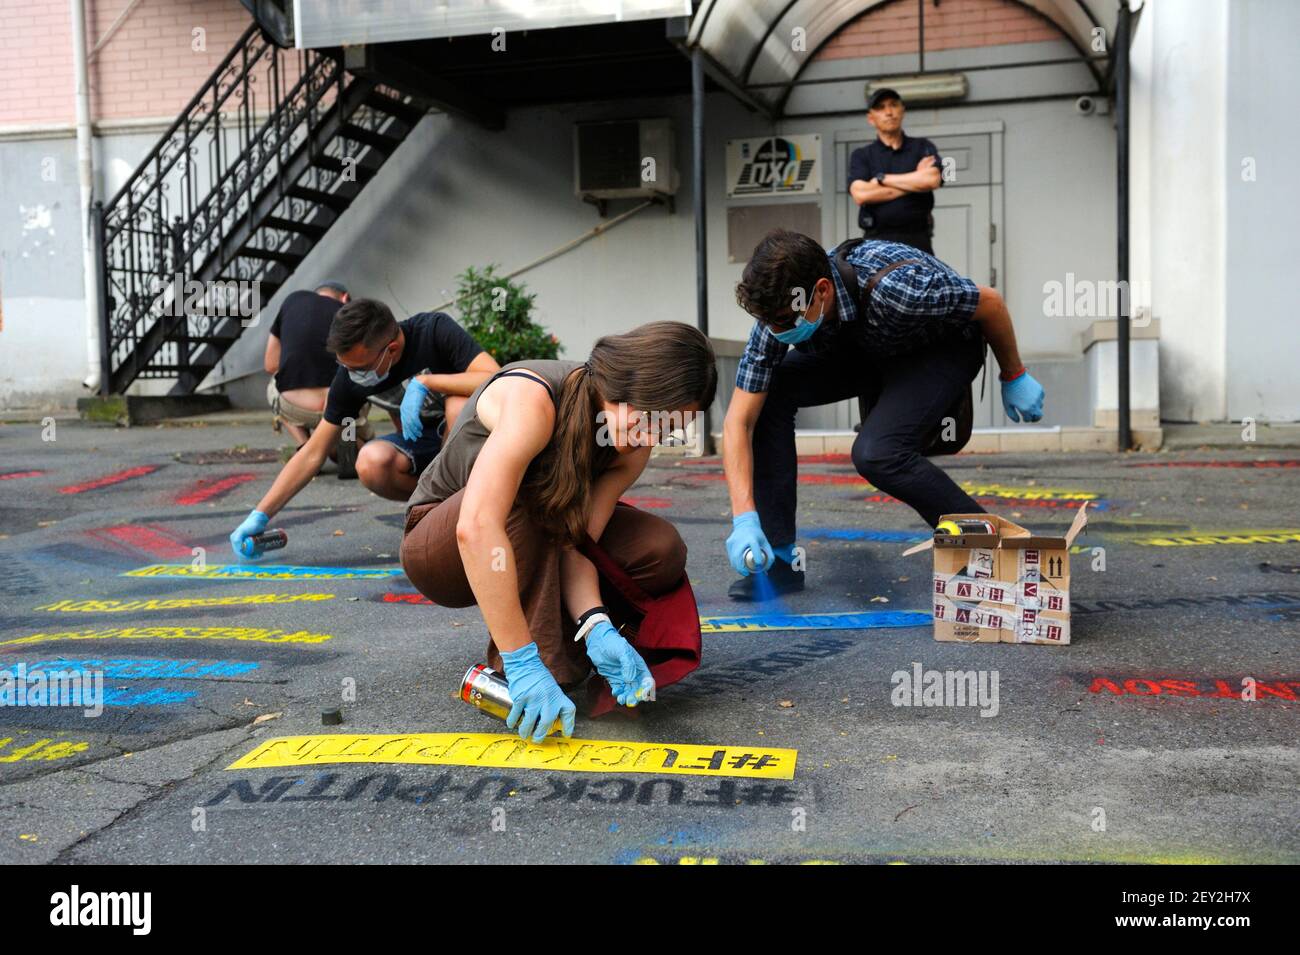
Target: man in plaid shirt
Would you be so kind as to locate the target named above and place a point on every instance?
(919, 345)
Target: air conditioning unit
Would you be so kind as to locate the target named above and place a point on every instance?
(624, 159)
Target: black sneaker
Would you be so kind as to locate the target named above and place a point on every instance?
(347, 460)
(779, 580)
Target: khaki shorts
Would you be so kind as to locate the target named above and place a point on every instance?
(291, 413)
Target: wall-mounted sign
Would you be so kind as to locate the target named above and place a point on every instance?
(774, 166)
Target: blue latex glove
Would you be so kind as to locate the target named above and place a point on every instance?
(747, 534)
(537, 699)
(629, 678)
(412, 402)
(253, 524)
(1023, 397)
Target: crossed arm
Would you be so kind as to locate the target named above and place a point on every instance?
(925, 178)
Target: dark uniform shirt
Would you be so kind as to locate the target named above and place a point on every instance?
(433, 341)
(910, 212)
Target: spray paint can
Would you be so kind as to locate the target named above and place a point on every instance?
(751, 563)
(488, 690)
(269, 540)
(966, 525)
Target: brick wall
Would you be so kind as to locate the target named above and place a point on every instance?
(148, 69)
(955, 24)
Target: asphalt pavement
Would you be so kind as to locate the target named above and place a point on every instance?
(1138, 742)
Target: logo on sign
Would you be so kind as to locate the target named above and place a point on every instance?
(777, 165)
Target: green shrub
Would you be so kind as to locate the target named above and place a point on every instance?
(497, 312)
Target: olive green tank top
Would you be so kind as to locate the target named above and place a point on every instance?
(449, 471)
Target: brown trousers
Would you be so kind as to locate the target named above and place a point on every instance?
(647, 547)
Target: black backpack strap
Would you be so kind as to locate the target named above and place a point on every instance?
(840, 257)
(849, 272)
(881, 273)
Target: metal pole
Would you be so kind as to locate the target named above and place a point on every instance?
(920, 33)
(86, 180)
(701, 225)
(101, 284)
(1123, 29)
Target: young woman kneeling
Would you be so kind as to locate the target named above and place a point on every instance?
(537, 460)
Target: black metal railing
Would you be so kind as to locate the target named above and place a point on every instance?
(253, 172)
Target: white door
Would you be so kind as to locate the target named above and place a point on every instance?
(964, 232)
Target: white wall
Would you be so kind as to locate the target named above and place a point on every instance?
(1177, 159)
(1263, 236)
(1214, 249)
(43, 342)
(456, 196)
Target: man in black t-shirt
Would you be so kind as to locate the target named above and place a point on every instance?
(893, 178)
(375, 352)
(298, 361)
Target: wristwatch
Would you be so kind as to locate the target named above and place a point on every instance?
(880, 178)
(588, 620)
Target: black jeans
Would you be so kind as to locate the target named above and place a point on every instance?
(911, 393)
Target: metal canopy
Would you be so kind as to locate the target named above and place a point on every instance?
(325, 23)
(750, 41)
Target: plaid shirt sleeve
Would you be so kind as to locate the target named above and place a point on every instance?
(763, 352)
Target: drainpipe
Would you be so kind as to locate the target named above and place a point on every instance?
(86, 178)
(1123, 36)
(700, 210)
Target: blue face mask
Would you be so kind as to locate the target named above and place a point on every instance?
(802, 331)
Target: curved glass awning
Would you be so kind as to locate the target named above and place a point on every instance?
(750, 40)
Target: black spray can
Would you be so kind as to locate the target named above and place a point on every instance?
(269, 540)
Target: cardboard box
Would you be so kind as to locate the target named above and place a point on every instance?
(1006, 587)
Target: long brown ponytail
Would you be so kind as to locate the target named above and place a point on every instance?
(660, 366)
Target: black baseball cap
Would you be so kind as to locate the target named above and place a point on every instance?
(882, 94)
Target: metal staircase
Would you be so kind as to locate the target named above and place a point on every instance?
(254, 172)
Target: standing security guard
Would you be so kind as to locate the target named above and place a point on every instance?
(893, 178)
(878, 319)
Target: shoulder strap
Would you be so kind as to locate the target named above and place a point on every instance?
(881, 273)
(517, 373)
(849, 273)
